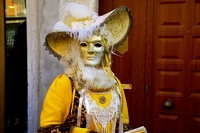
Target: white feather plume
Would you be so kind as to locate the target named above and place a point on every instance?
(77, 11)
(77, 20)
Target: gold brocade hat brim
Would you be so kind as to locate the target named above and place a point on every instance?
(118, 23)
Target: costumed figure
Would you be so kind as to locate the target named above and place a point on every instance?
(87, 97)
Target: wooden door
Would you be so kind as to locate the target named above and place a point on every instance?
(130, 67)
(176, 67)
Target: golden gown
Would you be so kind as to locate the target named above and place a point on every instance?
(58, 116)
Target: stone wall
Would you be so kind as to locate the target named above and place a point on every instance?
(42, 67)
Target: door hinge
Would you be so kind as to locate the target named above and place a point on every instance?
(147, 87)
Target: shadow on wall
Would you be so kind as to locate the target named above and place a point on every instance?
(16, 84)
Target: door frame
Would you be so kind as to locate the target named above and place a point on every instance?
(2, 66)
(148, 64)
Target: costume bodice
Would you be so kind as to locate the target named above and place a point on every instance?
(99, 112)
(102, 110)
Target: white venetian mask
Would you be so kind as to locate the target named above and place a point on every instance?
(92, 51)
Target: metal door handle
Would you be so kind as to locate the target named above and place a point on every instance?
(168, 104)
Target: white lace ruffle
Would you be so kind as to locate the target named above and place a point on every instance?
(101, 115)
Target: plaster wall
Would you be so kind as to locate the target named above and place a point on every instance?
(42, 66)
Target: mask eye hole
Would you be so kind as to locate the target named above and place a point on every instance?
(83, 44)
(98, 45)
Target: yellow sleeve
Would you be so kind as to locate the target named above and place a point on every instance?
(124, 110)
(57, 102)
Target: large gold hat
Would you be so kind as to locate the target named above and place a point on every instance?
(77, 22)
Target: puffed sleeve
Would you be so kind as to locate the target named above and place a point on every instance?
(57, 102)
(56, 108)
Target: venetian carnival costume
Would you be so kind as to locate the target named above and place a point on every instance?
(87, 97)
